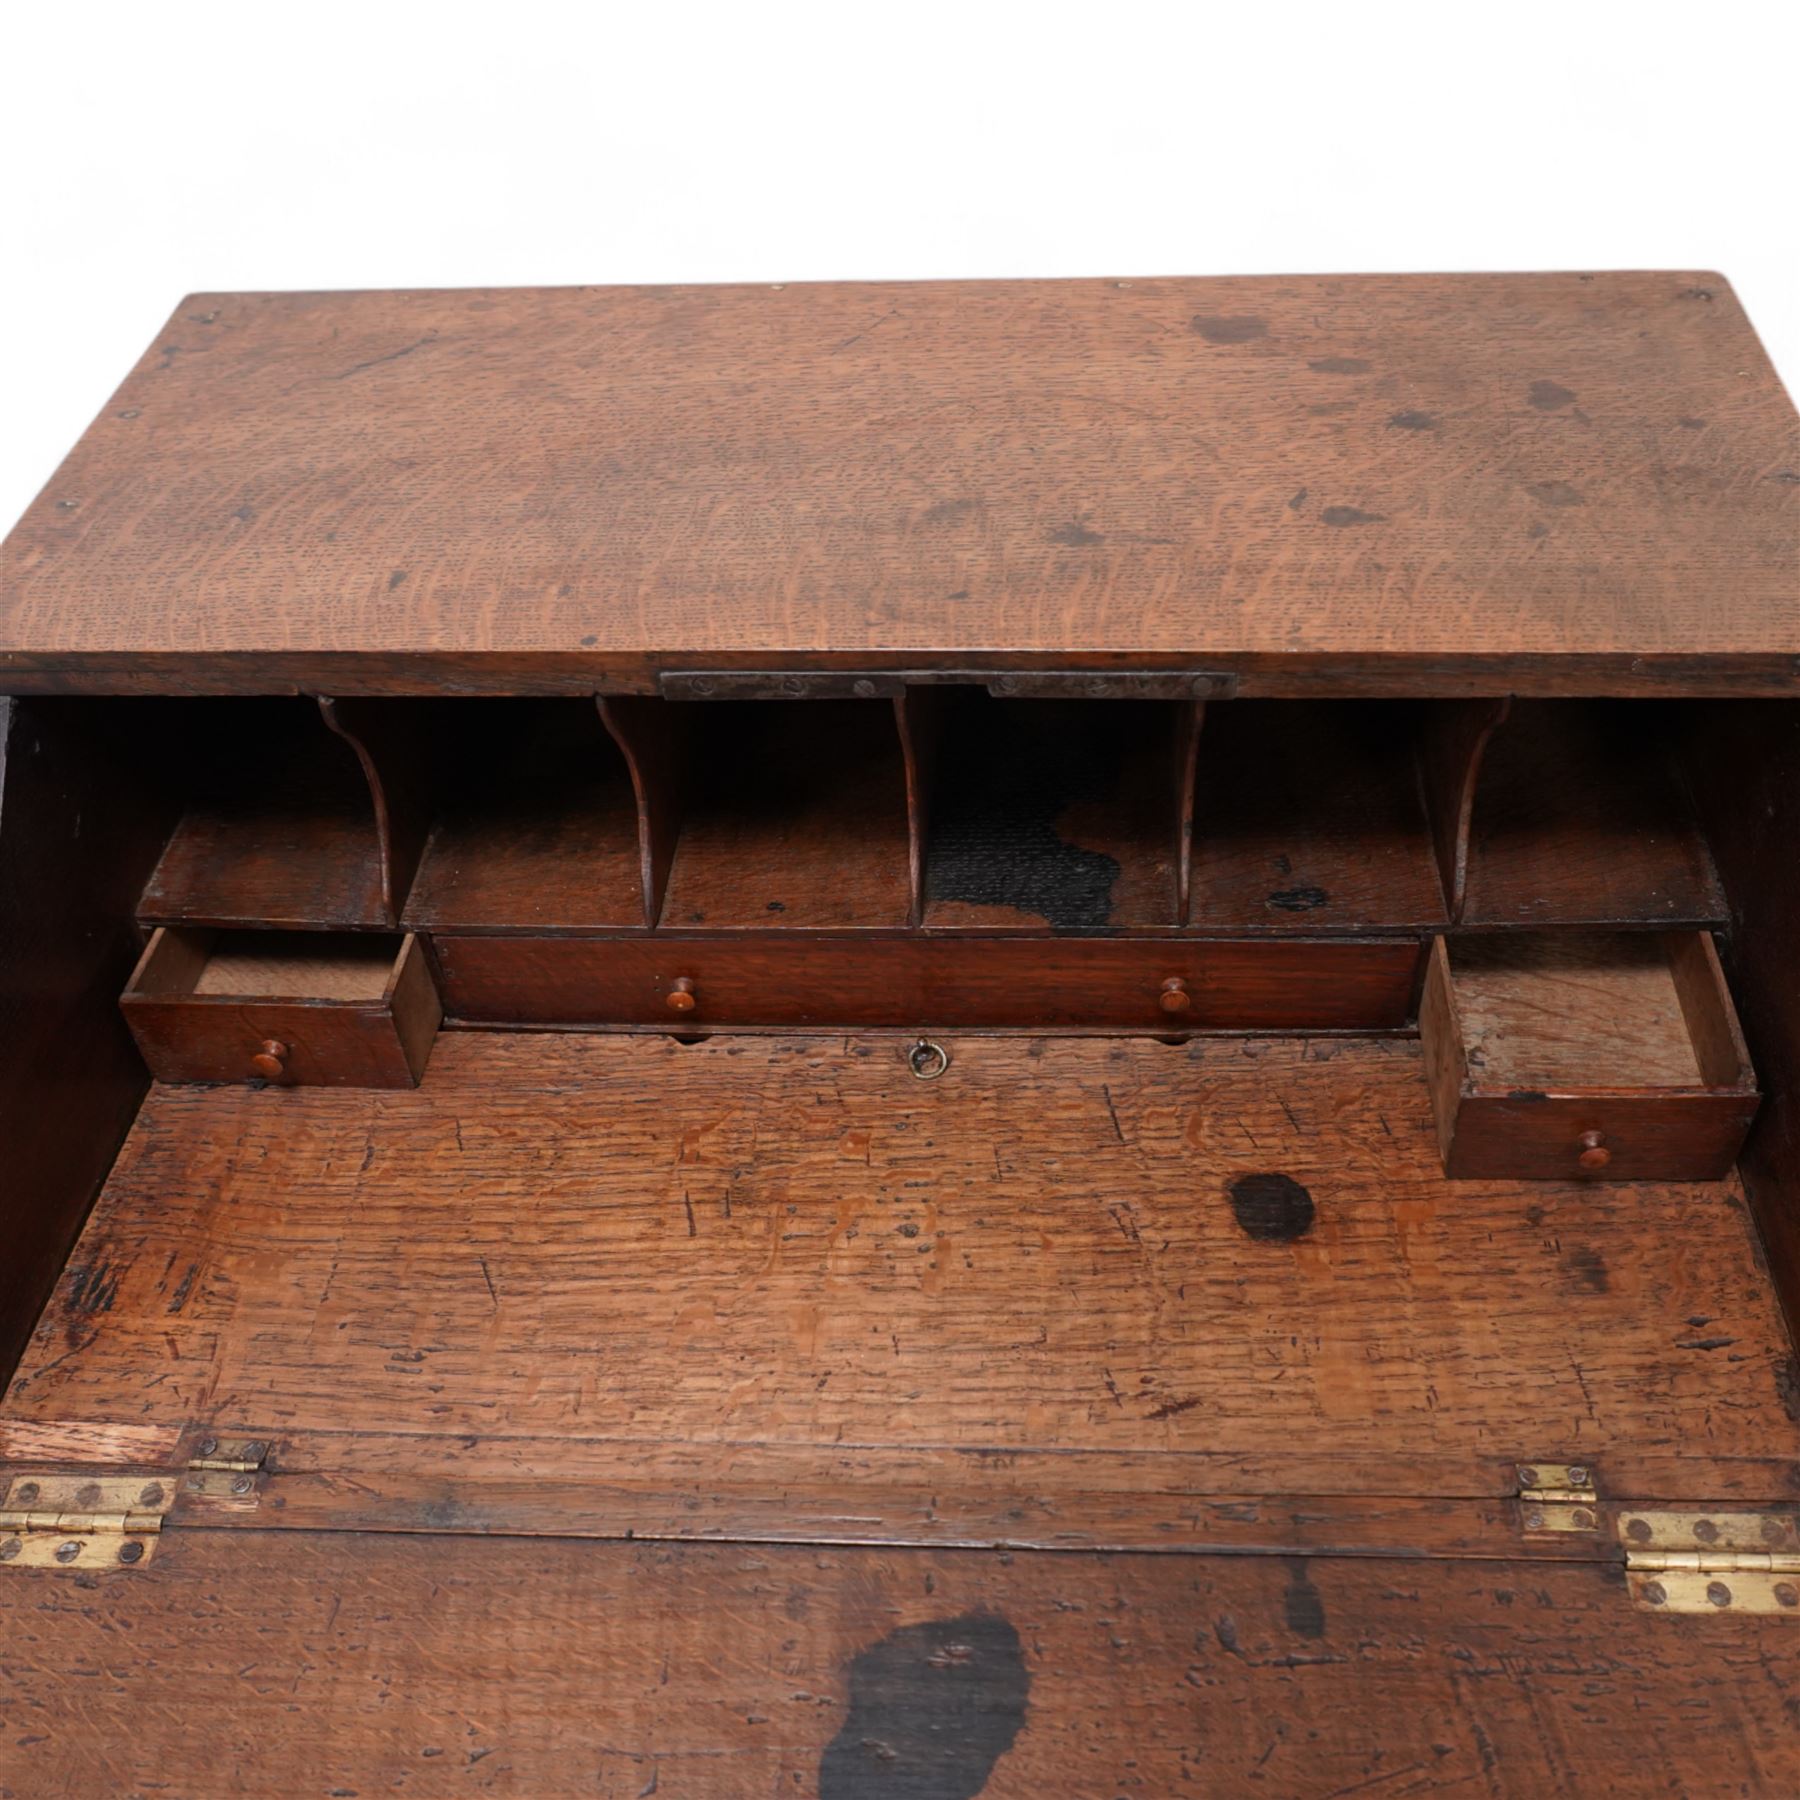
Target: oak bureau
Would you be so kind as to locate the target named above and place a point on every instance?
(1008, 1038)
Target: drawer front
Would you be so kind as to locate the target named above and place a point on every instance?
(1273, 985)
(1654, 1137)
(322, 1043)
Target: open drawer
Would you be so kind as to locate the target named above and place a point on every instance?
(314, 1009)
(1561, 1055)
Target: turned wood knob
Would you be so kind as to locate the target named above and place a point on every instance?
(1174, 997)
(270, 1061)
(682, 997)
(1594, 1153)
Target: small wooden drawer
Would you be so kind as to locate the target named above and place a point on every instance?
(307, 1009)
(1116, 984)
(1611, 1056)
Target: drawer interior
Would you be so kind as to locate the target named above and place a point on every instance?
(1590, 1009)
(304, 966)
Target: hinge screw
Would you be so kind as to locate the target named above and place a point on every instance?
(1528, 1478)
(1655, 1592)
(209, 1446)
(1718, 1593)
(1773, 1531)
(10, 1549)
(1578, 1476)
(1639, 1531)
(27, 1491)
(1786, 1594)
(1582, 1517)
(67, 1553)
(1534, 1520)
(242, 1484)
(131, 1551)
(151, 1495)
(254, 1452)
(1708, 1533)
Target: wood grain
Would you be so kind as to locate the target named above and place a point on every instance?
(1242, 1253)
(1572, 1009)
(546, 1668)
(1375, 483)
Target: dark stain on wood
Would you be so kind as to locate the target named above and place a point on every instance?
(1272, 1208)
(1301, 1603)
(1350, 515)
(1555, 493)
(933, 1708)
(1299, 899)
(1588, 1268)
(1550, 396)
(1413, 421)
(1339, 365)
(1236, 330)
(1076, 534)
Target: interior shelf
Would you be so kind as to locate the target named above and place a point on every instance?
(279, 825)
(1581, 818)
(793, 816)
(1309, 816)
(537, 825)
(1053, 815)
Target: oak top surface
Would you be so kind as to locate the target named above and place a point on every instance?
(1274, 474)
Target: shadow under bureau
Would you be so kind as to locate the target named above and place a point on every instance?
(991, 1056)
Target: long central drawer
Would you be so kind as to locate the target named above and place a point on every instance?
(1130, 984)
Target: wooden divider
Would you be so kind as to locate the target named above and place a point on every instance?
(650, 733)
(1452, 740)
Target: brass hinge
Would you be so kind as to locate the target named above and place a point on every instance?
(1557, 1497)
(226, 1472)
(1702, 1562)
(83, 1521)
(90, 1521)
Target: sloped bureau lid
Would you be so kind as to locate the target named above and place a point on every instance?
(1551, 483)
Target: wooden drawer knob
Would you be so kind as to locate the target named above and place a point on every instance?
(1594, 1153)
(682, 997)
(270, 1061)
(1174, 997)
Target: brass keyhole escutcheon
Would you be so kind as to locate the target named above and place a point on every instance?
(927, 1060)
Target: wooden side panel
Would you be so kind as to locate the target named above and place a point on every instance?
(906, 983)
(1744, 762)
(81, 826)
(301, 1663)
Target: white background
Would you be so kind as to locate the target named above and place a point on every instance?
(148, 152)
